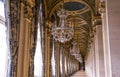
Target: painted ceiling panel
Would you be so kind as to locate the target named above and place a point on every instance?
(73, 6)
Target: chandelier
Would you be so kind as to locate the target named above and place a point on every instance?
(63, 32)
(74, 50)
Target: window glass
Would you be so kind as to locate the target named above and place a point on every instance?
(3, 51)
(2, 9)
(38, 57)
(53, 61)
(4, 56)
(61, 62)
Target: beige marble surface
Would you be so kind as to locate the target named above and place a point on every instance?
(80, 74)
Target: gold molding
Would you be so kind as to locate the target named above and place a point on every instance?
(57, 6)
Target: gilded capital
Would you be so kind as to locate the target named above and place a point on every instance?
(97, 20)
(49, 24)
(31, 3)
(102, 7)
(28, 13)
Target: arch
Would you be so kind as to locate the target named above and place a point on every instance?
(58, 3)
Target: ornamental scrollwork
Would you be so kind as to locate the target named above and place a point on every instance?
(28, 13)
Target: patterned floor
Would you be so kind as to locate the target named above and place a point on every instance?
(80, 74)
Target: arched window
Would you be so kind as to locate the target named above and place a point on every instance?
(3, 42)
(61, 64)
(38, 64)
(53, 59)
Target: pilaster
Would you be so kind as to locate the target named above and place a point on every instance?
(106, 40)
(57, 59)
(112, 39)
(99, 55)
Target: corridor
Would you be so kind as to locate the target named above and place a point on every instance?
(80, 74)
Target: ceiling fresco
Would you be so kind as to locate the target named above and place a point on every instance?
(81, 12)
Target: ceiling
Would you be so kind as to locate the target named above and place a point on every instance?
(82, 13)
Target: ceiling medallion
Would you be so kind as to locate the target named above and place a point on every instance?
(63, 32)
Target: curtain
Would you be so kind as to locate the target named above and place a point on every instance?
(12, 22)
(33, 42)
(12, 14)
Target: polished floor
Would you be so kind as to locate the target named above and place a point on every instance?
(80, 74)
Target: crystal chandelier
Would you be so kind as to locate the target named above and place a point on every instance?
(63, 32)
(75, 52)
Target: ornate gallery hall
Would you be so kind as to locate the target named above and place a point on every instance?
(59, 38)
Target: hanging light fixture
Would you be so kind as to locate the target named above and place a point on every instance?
(63, 32)
(74, 50)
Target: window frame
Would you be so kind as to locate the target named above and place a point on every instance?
(2, 22)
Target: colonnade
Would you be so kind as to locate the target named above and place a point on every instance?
(103, 57)
(104, 49)
(65, 63)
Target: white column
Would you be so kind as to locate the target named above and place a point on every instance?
(99, 52)
(113, 26)
(106, 43)
(90, 65)
(97, 55)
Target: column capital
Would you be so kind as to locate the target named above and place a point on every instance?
(102, 7)
(96, 21)
(30, 3)
(28, 13)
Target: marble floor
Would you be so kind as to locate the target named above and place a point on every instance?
(80, 74)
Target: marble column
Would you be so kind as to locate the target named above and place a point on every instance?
(57, 60)
(111, 37)
(66, 56)
(106, 43)
(68, 64)
(63, 62)
(99, 55)
(90, 67)
(47, 53)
